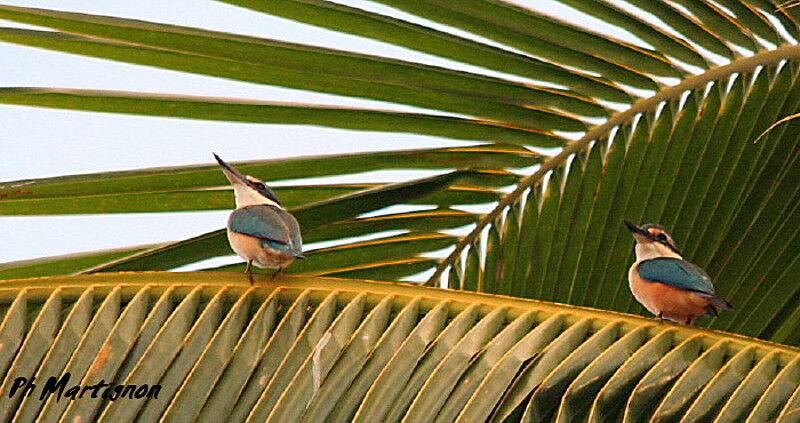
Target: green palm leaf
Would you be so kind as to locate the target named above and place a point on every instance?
(385, 28)
(311, 216)
(197, 187)
(327, 212)
(66, 264)
(260, 112)
(692, 166)
(447, 88)
(695, 86)
(307, 349)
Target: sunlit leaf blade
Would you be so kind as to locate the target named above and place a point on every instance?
(545, 234)
(694, 167)
(509, 241)
(65, 264)
(577, 399)
(41, 336)
(187, 178)
(493, 264)
(720, 22)
(661, 40)
(471, 89)
(346, 207)
(425, 220)
(754, 112)
(364, 255)
(689, 27)
(605, 404)
(784, 15)
(394, 270)
(570, 254)
(196, 188)
(167, 201)
(754, 21)
(305, 333)
(710, 159)
(526, 115)
(310, 217)
(518, 38)
(231, 110)
(392, 30)
(601, 214)
(233, 47)
(652, 386)
(546, 29)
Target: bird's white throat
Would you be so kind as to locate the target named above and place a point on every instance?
(651, 250)
(246, 196)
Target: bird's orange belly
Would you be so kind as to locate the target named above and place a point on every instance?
(667, 301)
(249, 248)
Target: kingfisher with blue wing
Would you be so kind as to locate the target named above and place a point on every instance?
(260, 230)
(667, 285)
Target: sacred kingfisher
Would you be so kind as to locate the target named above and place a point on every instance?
(260, 230)
(664, 283)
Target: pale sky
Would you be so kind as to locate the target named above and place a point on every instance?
(40, 142)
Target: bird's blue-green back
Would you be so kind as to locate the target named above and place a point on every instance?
(676, 272)
(274, 226)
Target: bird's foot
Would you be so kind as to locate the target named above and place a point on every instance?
(661, 318)
(249, 272)
(277, 273)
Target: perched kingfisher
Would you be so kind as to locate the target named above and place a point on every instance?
(260, 230)
(664, 283)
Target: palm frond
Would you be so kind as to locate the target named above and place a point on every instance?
(691, 165)
(312, 349)
(666, 97)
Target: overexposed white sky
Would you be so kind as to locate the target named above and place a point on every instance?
(40, 142)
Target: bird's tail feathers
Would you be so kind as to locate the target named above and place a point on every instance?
(718, 303)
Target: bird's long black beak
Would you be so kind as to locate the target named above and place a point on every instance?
(636, 229)
(232, 174)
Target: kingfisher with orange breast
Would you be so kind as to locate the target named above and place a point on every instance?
(667, 285)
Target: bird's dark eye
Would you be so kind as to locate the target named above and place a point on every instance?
(662, 237)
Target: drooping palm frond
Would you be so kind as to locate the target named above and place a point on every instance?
(314, 349)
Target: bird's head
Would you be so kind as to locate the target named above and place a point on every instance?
(249, 190)
(652, 240)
